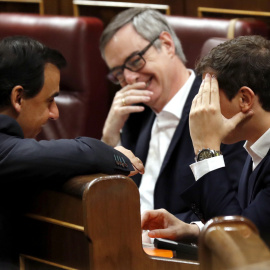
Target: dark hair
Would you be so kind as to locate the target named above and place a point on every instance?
(148, 23)
(243, 61)
(22, 62)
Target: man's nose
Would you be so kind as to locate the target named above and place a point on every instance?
(54, 112)
(130, 76)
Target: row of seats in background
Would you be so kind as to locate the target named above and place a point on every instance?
(85, 92)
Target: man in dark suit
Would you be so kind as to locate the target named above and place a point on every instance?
(150, 112)
(236, 109)
(29, 82)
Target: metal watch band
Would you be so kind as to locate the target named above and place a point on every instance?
(207, 153)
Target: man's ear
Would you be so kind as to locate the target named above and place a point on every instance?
(167, 41)
(246, 98)
(16, 97)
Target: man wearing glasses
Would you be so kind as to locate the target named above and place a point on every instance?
(149, 115)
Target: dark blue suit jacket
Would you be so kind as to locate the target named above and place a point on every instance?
(213, 195)
(175, 175)
(27, 165)
(29, 160)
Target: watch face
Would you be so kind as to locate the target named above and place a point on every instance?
(204, 154)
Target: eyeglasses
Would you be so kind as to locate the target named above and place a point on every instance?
(134, 63)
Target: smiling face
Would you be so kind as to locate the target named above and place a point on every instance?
(159, 70)
(34, 112)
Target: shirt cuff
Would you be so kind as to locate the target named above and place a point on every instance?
(205, 166)
(198, 223)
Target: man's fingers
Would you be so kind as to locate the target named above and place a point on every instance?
(161, 233)
(206, 90)
(214, 91)
(144, 219)
(197, 99)
(152, 219)
(129, 109)
(137, 85)
(135, 161)
(129, 100)
(138, 165)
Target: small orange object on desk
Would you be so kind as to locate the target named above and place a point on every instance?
(152, 251)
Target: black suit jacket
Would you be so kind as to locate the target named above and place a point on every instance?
(175, 174)
(213, 195)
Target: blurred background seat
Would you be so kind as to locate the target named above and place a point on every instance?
(193, 32)
(210, 43)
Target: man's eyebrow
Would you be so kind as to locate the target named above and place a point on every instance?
(54, 95)
(129, 57)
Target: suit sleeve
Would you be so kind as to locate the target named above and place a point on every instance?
(213, 195)
(60, 158)
(234, 157)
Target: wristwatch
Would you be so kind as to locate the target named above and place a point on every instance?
(207, 153)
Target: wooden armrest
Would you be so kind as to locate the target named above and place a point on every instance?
(231, 242)
(115, 233)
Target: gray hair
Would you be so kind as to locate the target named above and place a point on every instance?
(147, 22)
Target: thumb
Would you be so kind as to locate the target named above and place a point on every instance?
(240, 117)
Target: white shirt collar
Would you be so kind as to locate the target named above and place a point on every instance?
(176, 105)
(259, 149)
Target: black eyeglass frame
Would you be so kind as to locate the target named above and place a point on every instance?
(113, 79)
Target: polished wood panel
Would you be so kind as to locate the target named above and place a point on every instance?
(206, 12)
(233, 13)
(259, 5)
(65, 7)
(29, 262)
(179, 7)
(106, 10)
(27, 6)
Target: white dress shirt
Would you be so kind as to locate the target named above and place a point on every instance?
(162, 132)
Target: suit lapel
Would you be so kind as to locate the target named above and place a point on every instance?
(253, 180)
(183, 122)
(143, 141)
(144, 138)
